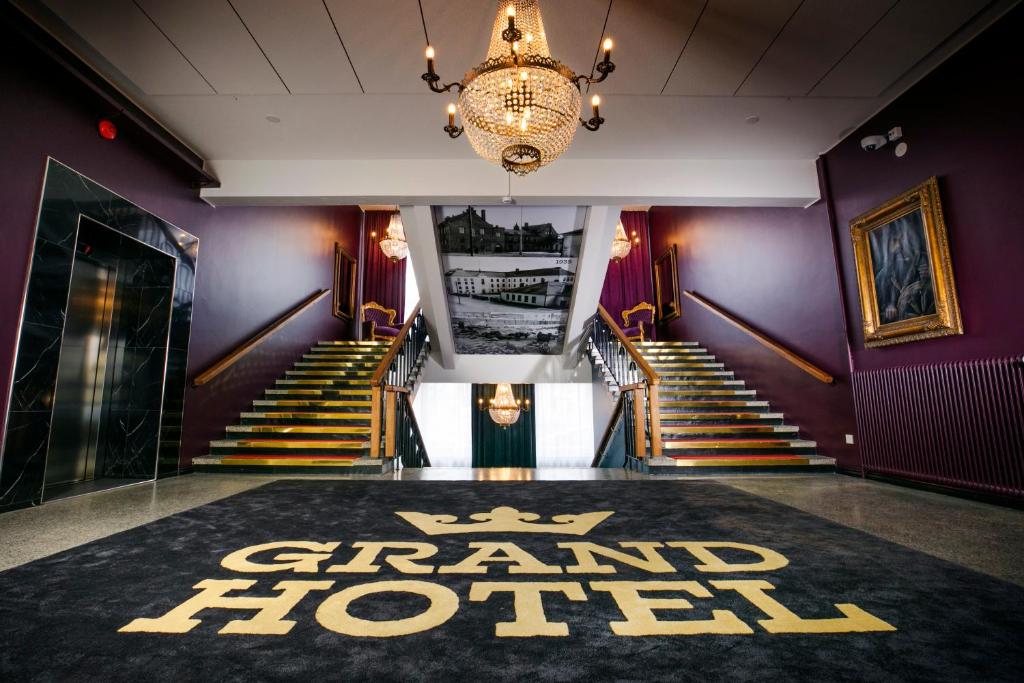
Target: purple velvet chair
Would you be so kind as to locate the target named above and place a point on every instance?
(634, 320)
(382, 321)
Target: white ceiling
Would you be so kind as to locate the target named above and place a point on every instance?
(343, 76)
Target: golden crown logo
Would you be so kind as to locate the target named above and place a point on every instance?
(505, 519)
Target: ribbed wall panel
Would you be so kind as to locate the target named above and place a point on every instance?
(955, 424)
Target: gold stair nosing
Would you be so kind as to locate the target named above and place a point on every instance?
(668, 417)
(299, 429)
(738, 429)
(318, 382)
(325, 403)
(328, 373)
(711, 392)
(726, 444)
(715, 404)
(741, 462)
(312, 461)
(305, 416)
(318, 392)
(289, 444)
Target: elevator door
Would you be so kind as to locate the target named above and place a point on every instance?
(78, 398)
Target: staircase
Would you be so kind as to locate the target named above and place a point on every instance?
(712, 423)
(316, 419)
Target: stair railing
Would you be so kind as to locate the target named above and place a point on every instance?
(637, 382)
(236, 354)
(394, 432)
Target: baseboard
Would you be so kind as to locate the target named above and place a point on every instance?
(967, 494)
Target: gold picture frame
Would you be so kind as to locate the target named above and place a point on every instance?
(904, 270)
(345, 271)
(666, 294)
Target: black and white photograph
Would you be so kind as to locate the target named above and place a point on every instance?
(509, 274)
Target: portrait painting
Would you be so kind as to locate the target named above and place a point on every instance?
(904, 270)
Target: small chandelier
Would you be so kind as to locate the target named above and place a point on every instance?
(520, 105)
(504, 408)
(394, 244)
(621, 244)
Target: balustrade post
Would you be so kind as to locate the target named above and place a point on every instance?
(375, 400)
(639, 425)
(389, 423)
(654, 410)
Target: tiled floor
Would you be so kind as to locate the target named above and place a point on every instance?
(983, 537)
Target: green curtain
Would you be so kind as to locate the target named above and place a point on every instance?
(494, 446)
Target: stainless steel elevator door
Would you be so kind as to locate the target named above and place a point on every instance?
(78, 398)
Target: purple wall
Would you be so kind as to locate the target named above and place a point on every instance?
(774, 269)
(964, 123)
(254, 263)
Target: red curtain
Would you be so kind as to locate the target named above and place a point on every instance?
(631, 280)
(383, 280)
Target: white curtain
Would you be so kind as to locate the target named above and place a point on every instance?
(443, 414)
(565, 425)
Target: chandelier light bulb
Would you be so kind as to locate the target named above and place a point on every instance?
(607, 44)
(430, 52)
(511, 12)
(451, 108)
(595, 101)
(523, 75)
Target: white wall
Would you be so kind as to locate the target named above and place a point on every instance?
(443, 413)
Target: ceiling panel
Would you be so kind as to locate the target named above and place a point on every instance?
(385, 41)
(301, 44)
(215, 40)
(573, 29)
(730, 37)
(814, 40)
(906, 35)
(648, 35)
(119, 31)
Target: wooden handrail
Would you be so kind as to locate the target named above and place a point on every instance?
(653, 381)
(385, 362)
(808, 367)
(634, 353)
(206, 376)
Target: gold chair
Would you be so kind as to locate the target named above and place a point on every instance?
(382, 321)
(634, 319)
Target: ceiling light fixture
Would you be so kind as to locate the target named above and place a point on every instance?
(520, 106)
(394, 245)
(504, 408)
(621, 244)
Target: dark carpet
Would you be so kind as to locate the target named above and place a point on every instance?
(60, 617)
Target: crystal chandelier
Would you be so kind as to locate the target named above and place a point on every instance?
(504, 408)
(520, 106)
(621, 244)
(394, 244)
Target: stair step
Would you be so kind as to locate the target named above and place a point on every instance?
(682, 372)
(714, 404)
(331, 365)
(729, 429)
(329, 373)
(708, 392)
(284, 431)
(699, 446)
(321, 382)
(307, 415)
(334, 355)
(703, 382)
(723, 418)
(294, 446)
(318, 392)
(657, 344)
(368, 344)
(687, 358)
(287, 403)
(740, 461)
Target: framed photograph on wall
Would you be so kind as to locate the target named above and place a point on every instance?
(344, 284)
(666, 286)
(904, 271)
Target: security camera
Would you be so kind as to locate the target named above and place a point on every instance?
(873, 142)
